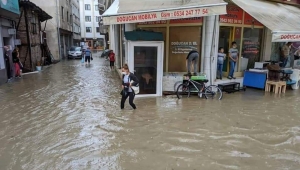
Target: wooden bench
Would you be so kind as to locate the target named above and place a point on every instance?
(230, 87)
(278, 86)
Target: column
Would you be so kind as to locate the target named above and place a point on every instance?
(128, 27)
(211, 33)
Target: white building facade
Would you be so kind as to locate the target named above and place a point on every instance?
(154, 40)
(76, 22)
(90, 18)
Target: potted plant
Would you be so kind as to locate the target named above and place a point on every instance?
(38, 66)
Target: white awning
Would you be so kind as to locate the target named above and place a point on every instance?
(283, 20)
(134, 11)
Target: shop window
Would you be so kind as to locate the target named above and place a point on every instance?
(163, 30)
(251, 47)
(182, 41)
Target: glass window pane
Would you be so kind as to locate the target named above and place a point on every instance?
(145, 68)
(251, 48)
(182, 41)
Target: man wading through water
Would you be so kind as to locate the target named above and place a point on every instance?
(88, 56)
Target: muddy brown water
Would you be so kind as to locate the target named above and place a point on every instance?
(68, 117)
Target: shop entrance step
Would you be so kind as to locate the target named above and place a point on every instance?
(230, 87)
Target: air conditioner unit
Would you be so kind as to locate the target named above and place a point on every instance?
(12, 31)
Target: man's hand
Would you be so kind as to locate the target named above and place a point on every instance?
(122, 87)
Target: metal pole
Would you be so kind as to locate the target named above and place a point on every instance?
(58, 26)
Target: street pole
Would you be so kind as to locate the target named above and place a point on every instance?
(58, 26)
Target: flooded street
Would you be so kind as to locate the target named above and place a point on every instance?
(68, 117)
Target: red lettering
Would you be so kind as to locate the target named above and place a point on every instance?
(290, 36)
(165, 15)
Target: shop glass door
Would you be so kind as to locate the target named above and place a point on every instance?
(225, 39)
(227, 36)
(146, 60)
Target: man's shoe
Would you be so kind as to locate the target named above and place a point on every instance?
(233, 77)
(229, 77)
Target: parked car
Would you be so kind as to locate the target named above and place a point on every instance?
(75, 53)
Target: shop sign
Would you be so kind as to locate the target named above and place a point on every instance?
(249, 20)
(234, 15)
(187, 20)
(10, 5)
(183, 47)
(281, 37)
(250, 47)
(165, 15)
(153, 22)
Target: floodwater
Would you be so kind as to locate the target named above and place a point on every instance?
(68, 117)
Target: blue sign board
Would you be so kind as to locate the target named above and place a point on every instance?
(11, 5)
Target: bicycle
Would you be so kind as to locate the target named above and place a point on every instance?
(211, 91)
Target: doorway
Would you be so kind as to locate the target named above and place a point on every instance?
(146, 59)
(229, 34)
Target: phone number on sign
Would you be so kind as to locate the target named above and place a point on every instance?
(181, 13)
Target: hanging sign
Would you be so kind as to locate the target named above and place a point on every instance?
(234, 15)
(165, 15)
(249, 20)
(285, 37)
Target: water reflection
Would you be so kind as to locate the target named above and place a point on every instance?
(68, 117)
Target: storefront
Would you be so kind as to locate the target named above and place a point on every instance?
(9, 10)
(181, 29)
(206, 33)
(240, 27)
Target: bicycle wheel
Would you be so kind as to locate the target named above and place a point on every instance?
(176, 85)
(183, 91)
(213, 92)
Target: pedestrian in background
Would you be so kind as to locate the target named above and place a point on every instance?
(16, 61)
(112, 59)
(88, 55)
(7, 63)
(233, 56)
(221, 57)
(128, 80)
(297, 54)
(285, 54)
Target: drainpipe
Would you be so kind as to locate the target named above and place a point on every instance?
(58, 26)
(212, 51)
(203, 45)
